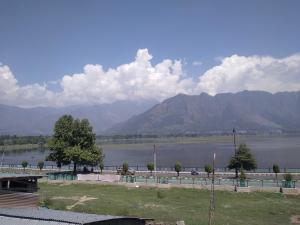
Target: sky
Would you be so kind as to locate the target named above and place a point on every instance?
(71, 52)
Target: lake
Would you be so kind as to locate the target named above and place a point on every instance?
(191, 152)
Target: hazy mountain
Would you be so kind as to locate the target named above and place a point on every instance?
(36, 121)
(247, 110)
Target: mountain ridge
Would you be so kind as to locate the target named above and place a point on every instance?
(246, 110)
(40, 120)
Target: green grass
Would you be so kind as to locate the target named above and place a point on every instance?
(175, 204)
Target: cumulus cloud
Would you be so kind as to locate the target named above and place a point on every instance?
(238, 73)
(29, 95)
(140, 80)
(137, 80)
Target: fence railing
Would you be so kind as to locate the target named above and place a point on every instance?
(144, 168)
(207, 181)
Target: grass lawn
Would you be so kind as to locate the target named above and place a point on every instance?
(174, 204)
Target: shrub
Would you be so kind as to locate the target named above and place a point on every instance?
(24, 164)
(150, 167)
(242, 175)
(125, 168)
(101, 166)
(178, 167)
(160, 194)
(40, 165)
(208, 169)
(288, 177)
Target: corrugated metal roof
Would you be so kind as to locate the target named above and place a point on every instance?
(4, 220)
(16, 175)
(54, 215)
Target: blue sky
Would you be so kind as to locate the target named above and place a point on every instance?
(42, 41)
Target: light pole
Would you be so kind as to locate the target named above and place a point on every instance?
(234, 142)
(212, 196)
(154, 160)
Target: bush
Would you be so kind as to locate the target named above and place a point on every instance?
(101, 167)
(208, 169)
(160, 194)
(40, 165)
(177, 167)
(242, 175)
(24, 164)
(125, 168)
(150, 167)
(288, 177)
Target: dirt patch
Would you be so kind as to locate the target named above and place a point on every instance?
(75, 198)
(295, 219)
(81, 201)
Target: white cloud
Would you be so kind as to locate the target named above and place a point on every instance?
(140, 80)
(133, 81)
(197, 63)
(238, 73)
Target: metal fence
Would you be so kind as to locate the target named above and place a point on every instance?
(208, 181)
(144, 168)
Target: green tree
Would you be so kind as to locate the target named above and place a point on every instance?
(276, 170)
(74, 141)
(150, 167)
(125, 168)
(24, 164)
(208, 169)
(178, 167)
(243, 159)
(40, 165)
(242, 175)
(101, 166)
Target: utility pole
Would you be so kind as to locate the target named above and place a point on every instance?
(154, 160)
(212, 196)
(234, 142)
(2, 156)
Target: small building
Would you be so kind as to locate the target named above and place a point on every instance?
(18, 190)
(19, 182)
(42, 216)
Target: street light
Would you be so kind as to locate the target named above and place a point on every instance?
(234, 142)
(154, 160)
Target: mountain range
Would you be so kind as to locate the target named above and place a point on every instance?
(41, 120)
(181, 114)
(246, 111)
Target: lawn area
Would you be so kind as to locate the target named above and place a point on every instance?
(173, 204)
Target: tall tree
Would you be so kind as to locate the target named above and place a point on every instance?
(208, 169)
(74, 141)
(150, 167)
(178, 167)
(243, 159)
(276, 170)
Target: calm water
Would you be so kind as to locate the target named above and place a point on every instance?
(284, 150)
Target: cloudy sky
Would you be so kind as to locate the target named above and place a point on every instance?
(63, 52)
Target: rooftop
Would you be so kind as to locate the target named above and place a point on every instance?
(16, 175)
(43, 216)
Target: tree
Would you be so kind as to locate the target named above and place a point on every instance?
(178, 168)
(243, 159)
(276, 170)
(40, 165)
(125, 168)
(74, 141)
(101, 166)
(150, 167)
(208, 169)
(242, 175)
(24, 164)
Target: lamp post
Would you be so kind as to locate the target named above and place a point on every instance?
(234, 143)
(154, 160)
(212, 196)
